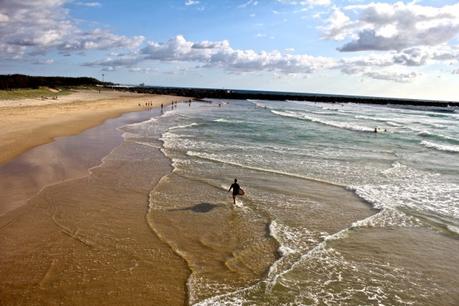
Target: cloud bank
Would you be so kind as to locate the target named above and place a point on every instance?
(397, 38)
(397, 26)
(220, 54)
(30, 27)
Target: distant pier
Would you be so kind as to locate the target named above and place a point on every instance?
(201, 93)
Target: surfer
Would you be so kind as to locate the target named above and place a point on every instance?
(236, 189)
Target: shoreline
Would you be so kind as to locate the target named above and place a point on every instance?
(64, 158)
(130, 231)
(23, 127)
(81, 215)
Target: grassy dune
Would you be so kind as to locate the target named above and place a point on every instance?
(32, 93)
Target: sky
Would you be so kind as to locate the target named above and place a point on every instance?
(383, 48)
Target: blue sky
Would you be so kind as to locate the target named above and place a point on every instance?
(382, 48)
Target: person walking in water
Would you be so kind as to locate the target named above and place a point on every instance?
(236, 189)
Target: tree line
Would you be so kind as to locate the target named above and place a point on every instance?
(15, 81)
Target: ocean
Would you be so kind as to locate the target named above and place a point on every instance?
(334, 212)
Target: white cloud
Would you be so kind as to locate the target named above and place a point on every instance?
(221, 54)
(309, 3)
(191, 2)
(319, 2)
(262, 35)
(4, 18)
(248, 3)
(390, 66)
(44, 62)
(393, 76)
(398, 65)
(142, 69)
(89, 4)
(116, 61)
(34, 27)
(392, 26)
(339, 26)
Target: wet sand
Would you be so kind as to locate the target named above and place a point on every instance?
(25, 124)
(85, 239)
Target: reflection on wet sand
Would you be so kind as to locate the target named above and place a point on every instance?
(65, 158)
(86, 239)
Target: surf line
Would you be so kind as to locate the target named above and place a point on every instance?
(270, 280)
(299, 176)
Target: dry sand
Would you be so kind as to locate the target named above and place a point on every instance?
(27, 123)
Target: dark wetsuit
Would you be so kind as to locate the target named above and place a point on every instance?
(235, 188)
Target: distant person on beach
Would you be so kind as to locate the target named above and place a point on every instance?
(236, 189)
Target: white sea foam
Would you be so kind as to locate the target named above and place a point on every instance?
(417, 190)
(389, 121)
(226, 120)
(341, 125)
(323, 113)
(373, 118)
(168, 113)
(184, 126)
(426, 133)
(407, 121)
(212, 157)
(393, 124)
(440, 147)
(388, 217)
(142, 123)
(328, 266)
(138, 129)
(240, 204)
(261, 105)
(287, 238)
(292, 240)
(452, 228)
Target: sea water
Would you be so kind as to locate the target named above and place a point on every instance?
(361, 201)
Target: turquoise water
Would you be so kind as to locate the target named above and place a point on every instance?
(407, 173)
(414, 165)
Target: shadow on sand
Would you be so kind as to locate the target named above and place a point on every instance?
(199, 208)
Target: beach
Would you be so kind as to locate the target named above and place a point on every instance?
(135, 209)
(26, 123)
(73, 224)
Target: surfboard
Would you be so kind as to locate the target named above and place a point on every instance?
(241, 192)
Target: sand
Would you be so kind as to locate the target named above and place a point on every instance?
(85, 241)
(82, 237)
(27, 123)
